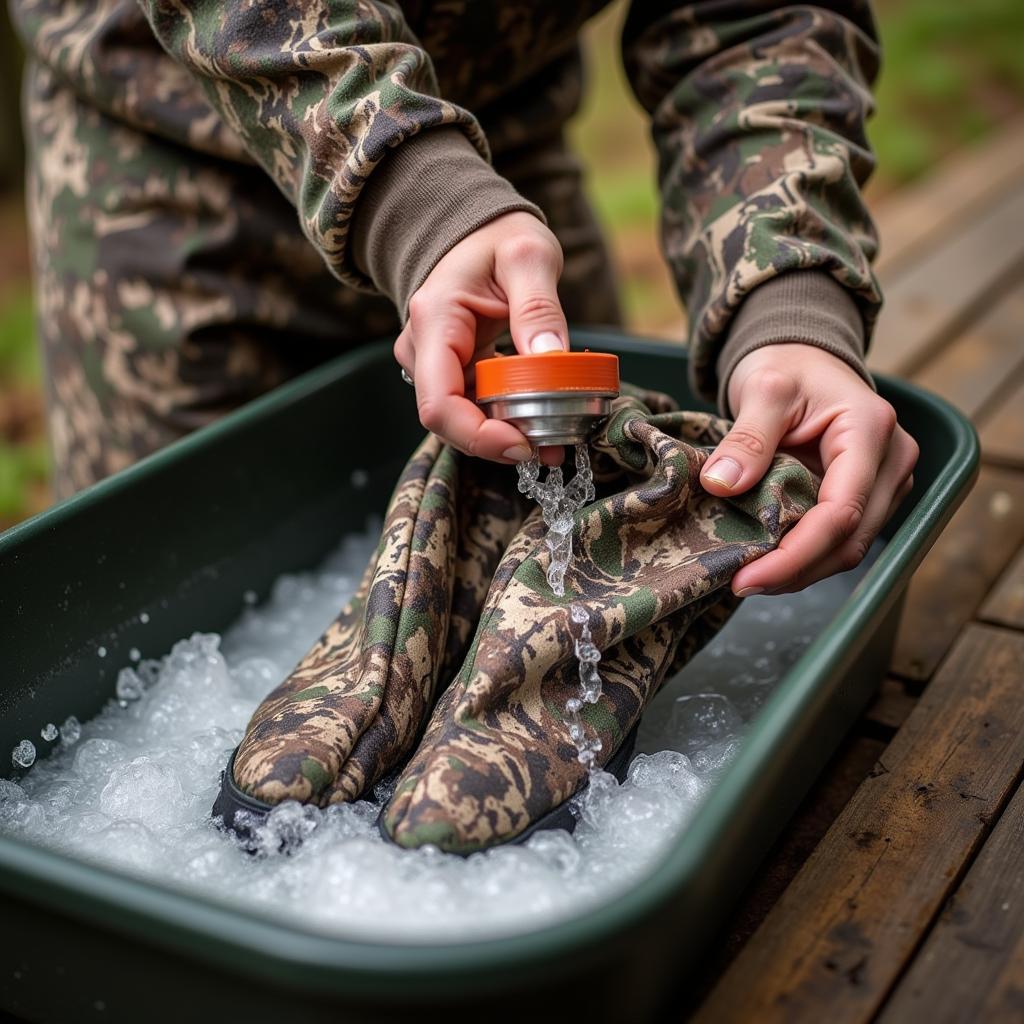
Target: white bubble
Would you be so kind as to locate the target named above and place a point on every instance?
(134, 789)
(24, 754)
(256, 677)
(71, 730)
(49, 732)
(143, 791)
(10, 792)
(129, 685)
(96, 755)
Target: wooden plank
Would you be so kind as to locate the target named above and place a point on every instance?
(973, 370)
(1005, 605)
(972, 966)
(1002, 436)
(845, 771)
(892, 705)
(940, 294)
(916, 217)
(959, 571)
(837, 940)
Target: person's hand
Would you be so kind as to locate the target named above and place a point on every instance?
(505, 274)
(802, 399)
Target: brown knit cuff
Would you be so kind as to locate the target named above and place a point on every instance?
(427, 195)
(806, 306)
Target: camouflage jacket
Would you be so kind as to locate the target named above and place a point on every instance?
(757, 111)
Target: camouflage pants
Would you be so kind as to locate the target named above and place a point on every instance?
(173, 287)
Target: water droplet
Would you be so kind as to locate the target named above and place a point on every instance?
(129, 686)
(144, 617)
(101, 651)
(24, 754)
(71, 730)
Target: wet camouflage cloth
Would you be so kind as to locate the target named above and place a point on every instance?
(457, 594)
(352, 709)
(195, 169)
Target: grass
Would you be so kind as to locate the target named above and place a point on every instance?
(953, 69)
(24, 458)
(24, 472)
(19, 358)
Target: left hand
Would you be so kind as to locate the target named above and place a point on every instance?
(804, 400)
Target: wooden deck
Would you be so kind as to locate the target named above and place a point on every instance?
(897, 892)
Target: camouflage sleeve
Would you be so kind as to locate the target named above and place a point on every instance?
(758, 114)
(320, 92)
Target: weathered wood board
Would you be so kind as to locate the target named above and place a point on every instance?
(1005, 605)
(838, 939)
(971, 968)
(939, 295)
(959, 571)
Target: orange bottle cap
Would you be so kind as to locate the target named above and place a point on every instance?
(546, 372)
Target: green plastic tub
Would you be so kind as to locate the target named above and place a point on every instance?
(267, 490)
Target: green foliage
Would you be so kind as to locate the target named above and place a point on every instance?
(19, 358)
(22, 467)
(626, 199)
(951, 69)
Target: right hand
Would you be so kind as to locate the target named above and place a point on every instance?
(505, 274)
(802, 399)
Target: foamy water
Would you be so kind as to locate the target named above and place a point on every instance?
(133, 789)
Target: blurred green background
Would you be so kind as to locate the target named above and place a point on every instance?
(953, 74)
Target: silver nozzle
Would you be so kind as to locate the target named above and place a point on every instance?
(552, 417)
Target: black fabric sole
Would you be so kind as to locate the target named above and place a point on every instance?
(243, 814)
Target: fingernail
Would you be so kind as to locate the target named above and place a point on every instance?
(750, 591)
(724, 471)
(546, 341)
(517, 453)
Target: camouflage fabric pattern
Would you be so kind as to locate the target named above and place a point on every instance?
(653, 558)
(457, 599)
(353, 707)
(195, 168)
(758, 112)
(170, 287)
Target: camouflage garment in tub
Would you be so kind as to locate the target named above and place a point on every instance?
(350, 712)
(456, 602)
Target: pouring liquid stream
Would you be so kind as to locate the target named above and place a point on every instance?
(559, 502)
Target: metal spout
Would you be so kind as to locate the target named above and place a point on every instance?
(552, 417)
